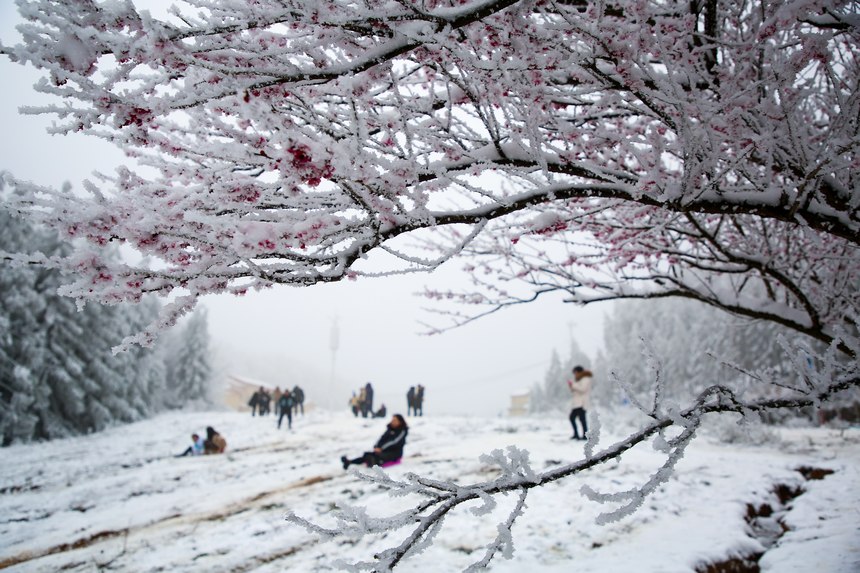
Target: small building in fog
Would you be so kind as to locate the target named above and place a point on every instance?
(519, 404)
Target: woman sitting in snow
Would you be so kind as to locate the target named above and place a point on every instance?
(387, 449)
(215, 442)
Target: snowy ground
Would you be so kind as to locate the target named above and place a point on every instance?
(119, 501)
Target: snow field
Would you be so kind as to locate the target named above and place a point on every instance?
(118, 500)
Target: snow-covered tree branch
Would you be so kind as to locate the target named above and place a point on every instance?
(284, 142)
(631, 149)
(761, 269)
(669, 430)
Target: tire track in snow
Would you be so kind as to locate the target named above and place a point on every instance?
(259, 501)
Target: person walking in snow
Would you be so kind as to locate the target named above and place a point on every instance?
(214, 443)
(410, 401)
(388, 448)
(276, 398)
(367, 402)
(285, 405)
(418, 404)
(580, 390)
(265, 400)
(299, 399)
(256, 401)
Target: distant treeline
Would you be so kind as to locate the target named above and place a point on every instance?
(693, 346)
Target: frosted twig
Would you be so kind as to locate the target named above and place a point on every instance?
(504, 540)
(426, 518)
(655, 366)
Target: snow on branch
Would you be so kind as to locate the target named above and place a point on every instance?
(283, 142)
(425, 519)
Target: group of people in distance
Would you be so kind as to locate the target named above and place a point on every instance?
(213, 444)
(361, 402)
(388, 449)
(415, 401)
(286, 403)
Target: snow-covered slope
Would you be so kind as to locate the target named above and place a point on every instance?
(119, 499)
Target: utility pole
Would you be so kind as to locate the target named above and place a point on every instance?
(333, 344)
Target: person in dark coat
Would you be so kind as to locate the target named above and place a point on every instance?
(265, 400)
(367, 402)
(255, 401)
(410, 401)
(299, 399)
(418, 404)
(381, 412)
(388, 448)
(285, 405)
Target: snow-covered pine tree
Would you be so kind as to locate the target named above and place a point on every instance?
(150, 376)
(57, 374)
(189, 370)
(554, 394)
(113, 379)
(681, 338)
(16, 313)
(28, 406)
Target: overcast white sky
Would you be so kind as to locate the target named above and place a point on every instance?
(283, 336)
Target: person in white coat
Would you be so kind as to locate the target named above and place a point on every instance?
(580, 390)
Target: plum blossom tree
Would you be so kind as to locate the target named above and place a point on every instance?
(638, 148)
(285, 141)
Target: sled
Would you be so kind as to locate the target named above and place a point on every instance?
(390, 463)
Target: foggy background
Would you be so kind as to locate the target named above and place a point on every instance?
(330, 338)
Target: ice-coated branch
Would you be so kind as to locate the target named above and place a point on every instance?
(632, 499)
(761, 270)
(504, 542)
(425, 519)
(578, 147)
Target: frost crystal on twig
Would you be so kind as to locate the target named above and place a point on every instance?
(671, 429)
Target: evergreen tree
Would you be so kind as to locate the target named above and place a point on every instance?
(189, 366)
(554, 394)
(150, 372)
(29, 312)
(58, 376)
(693, 346)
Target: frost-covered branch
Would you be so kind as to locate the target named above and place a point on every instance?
(758, 269)
(284, 141)
(671, 430)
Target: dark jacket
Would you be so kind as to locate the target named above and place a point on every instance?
(391, 443)
(285, 403)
